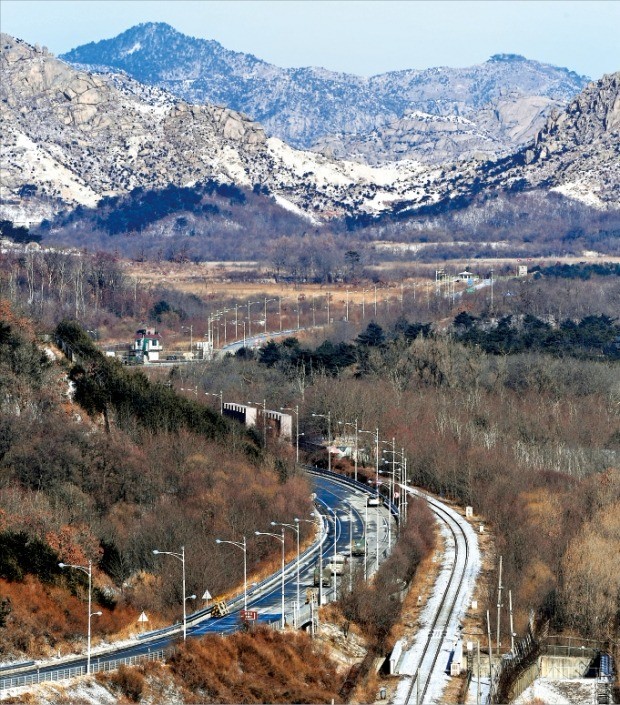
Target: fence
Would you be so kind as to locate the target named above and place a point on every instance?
(75, 671)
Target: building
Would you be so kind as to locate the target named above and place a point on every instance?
(147, 345)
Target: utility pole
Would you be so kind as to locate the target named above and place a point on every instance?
(499, 604)
(512, 631)
(478, 687)
(490, 651)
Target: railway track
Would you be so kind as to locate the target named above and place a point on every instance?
(426, 662)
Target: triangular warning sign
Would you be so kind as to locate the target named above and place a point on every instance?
(143, 617)
(207, 595)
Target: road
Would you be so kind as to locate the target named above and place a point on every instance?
(424, 664)
(336, 500)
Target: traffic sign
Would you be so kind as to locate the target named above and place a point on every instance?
(249, 615)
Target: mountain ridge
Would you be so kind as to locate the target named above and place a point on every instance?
(72, 137)
(315, 108)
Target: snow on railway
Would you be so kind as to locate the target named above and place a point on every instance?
(428, 656)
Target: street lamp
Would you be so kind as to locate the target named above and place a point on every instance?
(244, 548)
(266, 302)
(348, 504)
(281, 539)
(221, 396)
(89, 571)
(346, 423)
(376, 434)
(402, 476)
(317, 515)
(328, 416)
(264, 405)
(335, 517)
(180, 557)
(295, 528)
(296, 410)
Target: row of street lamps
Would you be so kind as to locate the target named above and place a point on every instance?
(242, 545)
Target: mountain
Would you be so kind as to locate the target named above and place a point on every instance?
(576, 153)
(502, 102)
(71, 137)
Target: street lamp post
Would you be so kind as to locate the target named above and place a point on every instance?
(346, 423)
(328, 416)
(296, 410)
(317, 515)
(335, 519)
(244, 548)
(295, 528)
(89, 571)
(180, 557)
(376, 434)
(266, 302)
(250, 303)
(280, 538)
(350, 546)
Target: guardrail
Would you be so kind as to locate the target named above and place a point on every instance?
(304, 614)
(16, 666)
(75, 671)
(358, 485)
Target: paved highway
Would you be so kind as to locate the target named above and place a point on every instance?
(336, 501)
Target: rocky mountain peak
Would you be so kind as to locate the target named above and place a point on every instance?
(594, 115)
(506, 99)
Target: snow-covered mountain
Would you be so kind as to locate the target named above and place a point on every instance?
(504, 100)
(70, 137)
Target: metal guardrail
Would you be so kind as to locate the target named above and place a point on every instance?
(16, 666)
(75, 671)
(304, 615)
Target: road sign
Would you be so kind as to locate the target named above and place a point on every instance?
(207, 595)
(249, 615)
(143, 617)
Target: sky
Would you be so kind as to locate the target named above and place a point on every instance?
(364, 37)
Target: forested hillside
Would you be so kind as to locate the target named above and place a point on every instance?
(97, 463)
(512, 415)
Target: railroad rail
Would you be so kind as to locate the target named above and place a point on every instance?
(429, 666)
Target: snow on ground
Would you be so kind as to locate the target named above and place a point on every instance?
(559, 692)
(45, 169)
(580, 190)
(289, 206)
(85, 691)
(413, 655)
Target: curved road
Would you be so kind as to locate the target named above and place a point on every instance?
(333, 496)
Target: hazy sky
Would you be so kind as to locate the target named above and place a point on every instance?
(364, 37)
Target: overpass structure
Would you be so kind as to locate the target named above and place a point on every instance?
(273, 422)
